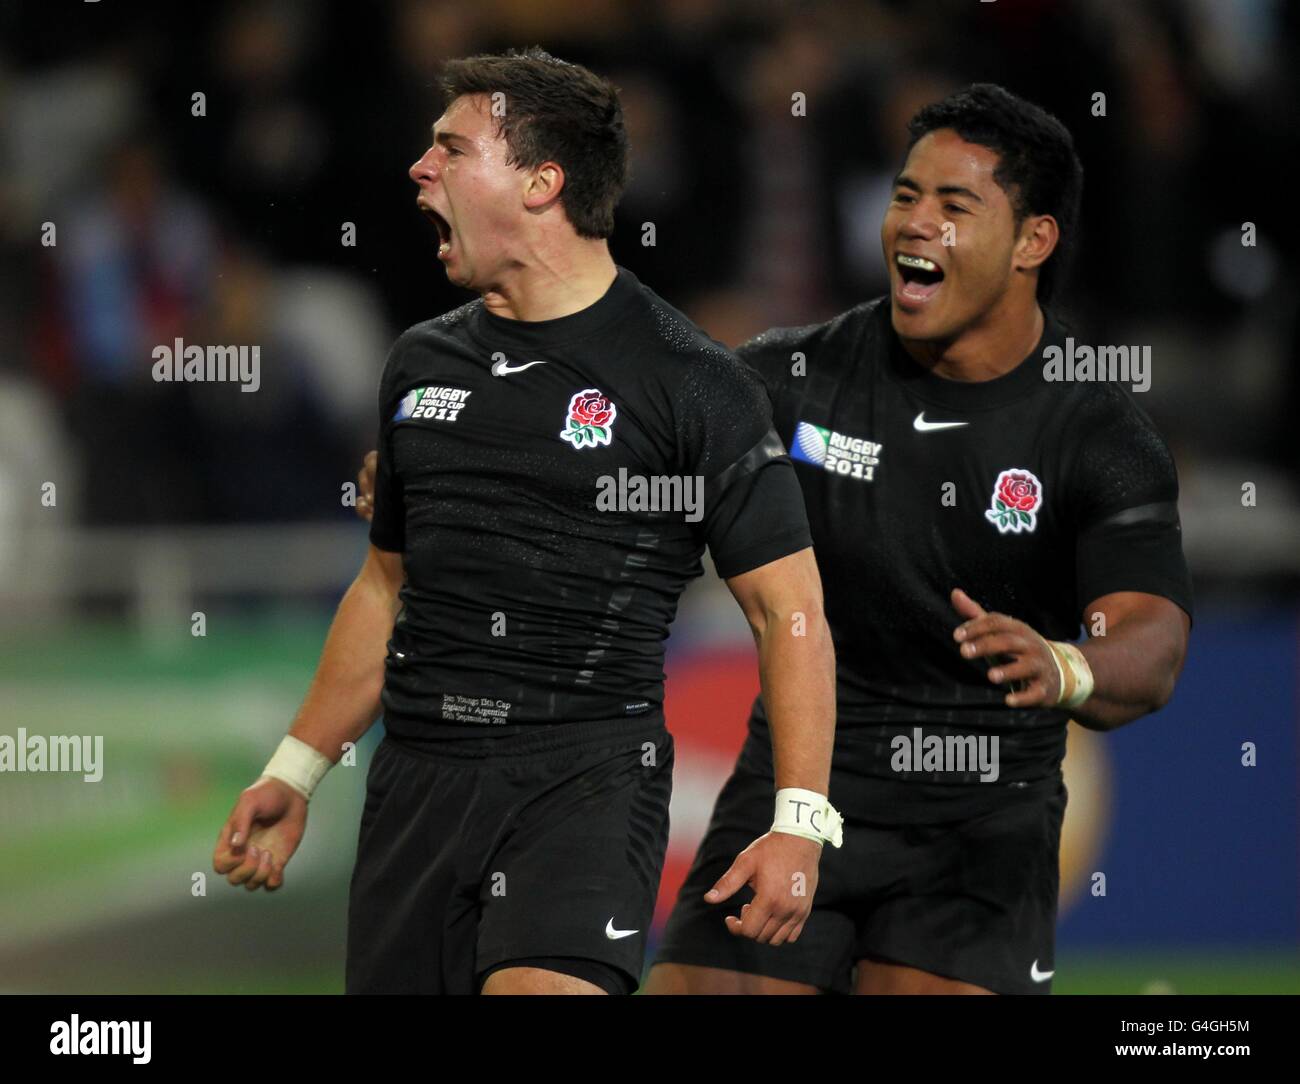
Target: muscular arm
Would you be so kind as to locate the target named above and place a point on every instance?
(265, 827)
(1136, 660)
(1134, 663)
(343, 699)
(782, 601)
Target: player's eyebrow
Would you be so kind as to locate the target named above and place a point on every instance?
(447, 137)
(958, 190)
(904, 181)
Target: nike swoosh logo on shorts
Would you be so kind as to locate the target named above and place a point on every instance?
(504, 368)
(922, 426)
(1039, 976)
(614, 934)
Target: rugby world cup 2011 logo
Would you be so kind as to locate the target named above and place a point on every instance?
(810, 443)
(1017, 499)
(590, 421)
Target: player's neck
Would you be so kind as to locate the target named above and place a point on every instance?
(552, 281)
(985, 350)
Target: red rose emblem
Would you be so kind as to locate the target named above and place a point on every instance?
(1017, 497)
(1018, 491)
(591, 408)
(590, 421)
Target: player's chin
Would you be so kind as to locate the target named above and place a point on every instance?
(940, 320)
(917, 314)
(457, 275)
(912, 323)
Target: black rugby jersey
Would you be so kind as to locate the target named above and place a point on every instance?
(551, 486)
(1034, 497)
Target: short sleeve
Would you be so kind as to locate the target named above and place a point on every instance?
(753, 504)
(388, 518)
(1125, 496)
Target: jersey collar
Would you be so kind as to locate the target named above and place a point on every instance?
(539, 334)
(1023, 380)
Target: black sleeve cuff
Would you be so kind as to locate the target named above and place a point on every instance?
(757, 554)
(385, 540)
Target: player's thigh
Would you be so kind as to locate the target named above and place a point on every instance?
(577, 875)
(883, 977)
(409, 927)
(536, 980)
(972, 904)
(691, 979)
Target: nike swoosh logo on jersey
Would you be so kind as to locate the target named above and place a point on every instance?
(922, 426)
(614, 934)
(504, 368)
(1039, 976)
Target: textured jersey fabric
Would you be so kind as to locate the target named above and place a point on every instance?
(526, 474)
(1035, 497)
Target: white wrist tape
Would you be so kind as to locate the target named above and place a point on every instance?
(808, 814)
(1075, 673)
(297, 764)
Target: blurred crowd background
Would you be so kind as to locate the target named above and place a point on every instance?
(228, 227)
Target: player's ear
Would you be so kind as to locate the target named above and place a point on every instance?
(544, 186)
(1038, 237)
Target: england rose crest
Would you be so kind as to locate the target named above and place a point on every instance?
(591, 419)
(1017, 498)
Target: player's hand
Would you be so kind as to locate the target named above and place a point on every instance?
(366, 486)
(260, 836)
(1019, 655)
(782, 870)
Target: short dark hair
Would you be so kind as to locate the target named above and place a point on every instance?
(560, 112)
(1037, 165)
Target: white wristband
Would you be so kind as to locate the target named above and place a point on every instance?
(1075, 673)
(297, 764)
(808, 814)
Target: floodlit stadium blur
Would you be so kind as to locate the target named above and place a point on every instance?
(171, 554)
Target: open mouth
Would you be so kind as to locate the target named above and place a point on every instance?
(919, 278)
(443, 227)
